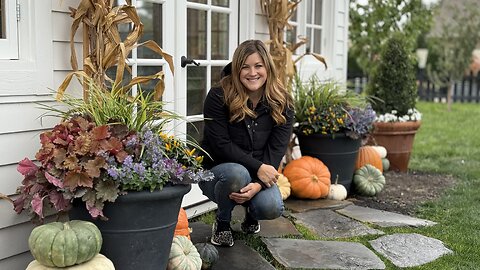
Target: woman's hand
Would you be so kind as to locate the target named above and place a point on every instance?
(267, 174)
(246, 193)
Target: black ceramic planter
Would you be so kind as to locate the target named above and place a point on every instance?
(140, 227)
(339, 154)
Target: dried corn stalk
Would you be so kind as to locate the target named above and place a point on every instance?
(103, 47)
(278, 13)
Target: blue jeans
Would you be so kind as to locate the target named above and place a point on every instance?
(231, 177)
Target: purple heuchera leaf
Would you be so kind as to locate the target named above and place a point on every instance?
(59, 202)
(37, 205)
(53, 180)
(94, 211)
(26, 167)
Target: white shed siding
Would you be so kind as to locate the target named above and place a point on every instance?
(20, 117)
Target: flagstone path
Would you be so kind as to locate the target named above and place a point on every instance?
(334, 221)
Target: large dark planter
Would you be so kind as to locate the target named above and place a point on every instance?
(397, 138)
(338, 154)
(139, 231)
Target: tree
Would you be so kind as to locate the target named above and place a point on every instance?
(450, 52)
(371, 24)
(393, 79)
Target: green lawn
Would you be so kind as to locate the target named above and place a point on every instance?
(447, 143)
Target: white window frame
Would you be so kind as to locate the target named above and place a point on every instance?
(9, 44)
(32, 73)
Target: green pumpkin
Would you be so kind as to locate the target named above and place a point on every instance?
(368, 180)
(386, 164)
(183, 255)
(60, 244)
(208, 254)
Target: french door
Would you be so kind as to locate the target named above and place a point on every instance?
(205, 33)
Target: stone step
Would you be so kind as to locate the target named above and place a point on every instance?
(308, 254)
(382, 218)
(409, 249)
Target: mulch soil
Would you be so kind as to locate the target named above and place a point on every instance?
(404, 191)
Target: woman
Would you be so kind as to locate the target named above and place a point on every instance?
(247, 128)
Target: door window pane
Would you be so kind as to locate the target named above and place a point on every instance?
(195, 132)
(145, 71)
(198, 1)
(317, 40)
(112, 72)
(197, 34)
(216, 72)
(221, 3)
(309, 11)
(196, 89)
(291, 37)
(318, 12)
(219, 36)
(2, 19)
(151, 16)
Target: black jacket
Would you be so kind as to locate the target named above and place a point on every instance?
(250, 142)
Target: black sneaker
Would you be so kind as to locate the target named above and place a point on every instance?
(222, 236)
(250, 225)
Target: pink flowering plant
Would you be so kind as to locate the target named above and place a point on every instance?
(98, 153)
(325, 107)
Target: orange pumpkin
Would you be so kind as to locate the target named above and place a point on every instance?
(182, 224)
(368, 155)
(309, 178)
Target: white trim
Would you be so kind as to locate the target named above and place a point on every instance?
(9, 44)
(32, 73)
(246, 27)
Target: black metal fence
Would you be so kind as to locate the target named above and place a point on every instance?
(467, 90)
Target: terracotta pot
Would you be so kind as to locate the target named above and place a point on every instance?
(397, 138)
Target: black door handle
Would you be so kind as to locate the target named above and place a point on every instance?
(185, 61)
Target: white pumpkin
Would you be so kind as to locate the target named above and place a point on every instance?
(382, 151)
(183, 255)
(99, 262)
(284, 186)
(337, 192)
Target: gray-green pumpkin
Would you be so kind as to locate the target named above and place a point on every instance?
(60, 244)
(368, 180)
(208, 254)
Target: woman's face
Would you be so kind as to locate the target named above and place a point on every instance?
(253, 73)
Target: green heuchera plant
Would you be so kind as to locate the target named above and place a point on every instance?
(393, 80)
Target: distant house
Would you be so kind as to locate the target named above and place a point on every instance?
(35, 58)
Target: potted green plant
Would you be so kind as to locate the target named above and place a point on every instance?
(110, 160)
(331, 123)
(393, 84)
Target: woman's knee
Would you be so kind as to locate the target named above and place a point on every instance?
(233, 175)
(267, 209)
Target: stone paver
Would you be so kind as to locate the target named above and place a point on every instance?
(201, 232)
(382, 218)
(326, 223)
(240, 257)
(300, 206)
(408, 250)
(269, 228)
(295, 253)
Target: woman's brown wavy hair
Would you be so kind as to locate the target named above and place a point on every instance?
(276, 95)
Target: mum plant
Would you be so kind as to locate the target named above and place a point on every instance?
(326, 107)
